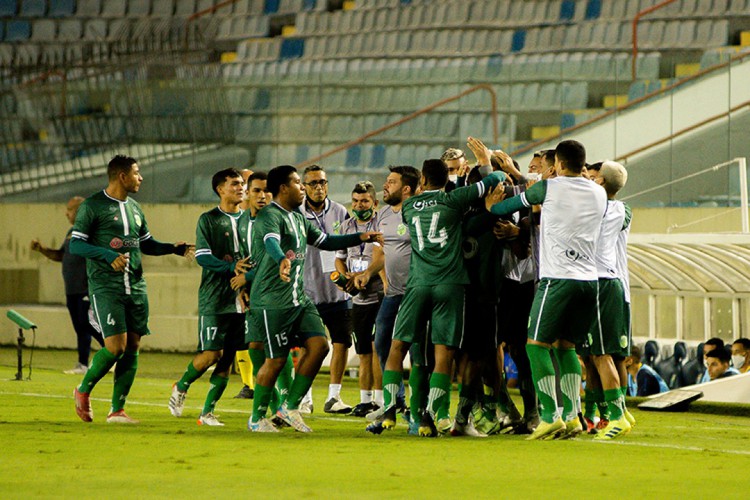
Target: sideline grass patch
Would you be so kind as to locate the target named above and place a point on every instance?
(48, 452)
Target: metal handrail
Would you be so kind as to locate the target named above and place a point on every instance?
(426, 109)
(636, 20)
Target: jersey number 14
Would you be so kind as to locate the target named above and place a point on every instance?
(435, 236)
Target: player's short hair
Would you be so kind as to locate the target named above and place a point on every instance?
(312, 168)
(365, 187)
(636, 352)
(615, 176)
(452, 154)
(572, 155)
(475, 175)
(714, 341)
(257, 176)
(720, 353)
(745, 343)
(435, 173)
(119, 164)
(221, 176)
(548, 155)
(409, 176)
(279, 176)
(595, 166)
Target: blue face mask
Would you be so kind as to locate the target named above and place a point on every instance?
(363, 215)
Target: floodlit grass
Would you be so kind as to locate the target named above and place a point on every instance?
(48, 452)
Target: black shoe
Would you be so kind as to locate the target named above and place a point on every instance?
(362, 409)
(245, 393)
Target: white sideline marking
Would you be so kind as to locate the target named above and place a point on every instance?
(672, 447)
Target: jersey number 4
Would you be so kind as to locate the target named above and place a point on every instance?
(435, 236)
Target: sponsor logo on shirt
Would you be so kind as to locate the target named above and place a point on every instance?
(336, 227)
(117, 243)
(293, 256)
(401, 230)
(421, 205)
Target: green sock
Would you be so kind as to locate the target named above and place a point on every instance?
(466, 400)
(125, 370)
(258, 357)
(624, 392)
(100, 365)
(570, 382)
(285, 380)
(418, 385)
(543, 374)
(300, 386)
(489, 401)
(190, 376)
(440, 390)
(218, 384)
(589, 407)
(260, 401)
(601, 404)
(615, 403)
(391, 385)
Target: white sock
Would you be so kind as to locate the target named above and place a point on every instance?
(379, 398)
(365, 396)
(334, 391)
(308, 397)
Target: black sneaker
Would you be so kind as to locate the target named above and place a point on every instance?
(362, 409)
(245, 393)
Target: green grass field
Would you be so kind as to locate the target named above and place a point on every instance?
(48, 452)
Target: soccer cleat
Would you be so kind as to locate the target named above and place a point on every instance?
(120, 417)
(245, 393)
(466, 429)
(389, 418)
(602, 424)
(209, 419)
(614, 429)
(83, 406)
(376, 415)
(362, 409)
(426, 426)
(444, 425)
(375, 428)
(630, 418)
(335, 405)
(293, 418)
(573, 428)
(78, 369)
(262, 425)
(278, 423)
(590, 426)
(306, 408)
(177, 401)
(546, 431)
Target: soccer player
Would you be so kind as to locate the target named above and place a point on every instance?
(333, 304)
(435, 289)
(564, 303)
(279, 307)
(221, 327)
(609, 337)
(110, 230)
(366, 303)
(76, 289)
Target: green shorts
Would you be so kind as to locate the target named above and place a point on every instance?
(252, 333)
(563, 310)
(217, 331)
(440, 307)
(611, 334)
(118, 314)
(286, 328)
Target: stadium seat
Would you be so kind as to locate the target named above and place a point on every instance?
(692, 371)
(670, 369)
(519, 40)
(650, 353)
(33, 8)
(88, 8)
(8, 8)
(184, 8)
(163, 8)
(17, 31)
(114, 8)
(70, 30)
(61, 8)
(43, 30)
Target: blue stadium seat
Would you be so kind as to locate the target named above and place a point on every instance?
(17, 31)
(593, 9)
(292, 48)
(33, 8)
(567, 10)
(377, 156)
(7, 8)
(61, 8)
(637, 90)
(2, 30)
(353, 157)
(271, 6)
(519, 40)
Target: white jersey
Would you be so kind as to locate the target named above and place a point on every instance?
(622, 251)
(573, 208)
(606, 248)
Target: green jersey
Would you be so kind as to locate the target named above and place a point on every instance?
(293, 232)
(245, 227)
(217, 236)
(483, 255)
(112, 227)
(434, 219)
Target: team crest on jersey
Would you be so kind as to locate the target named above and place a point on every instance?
(401, 230)
(293, 256)
(112, 208)
(336, 227)
(572, 254)
(115, 243)
(138, 220)
(623, 341)
(421, 205)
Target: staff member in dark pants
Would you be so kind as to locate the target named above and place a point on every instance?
(76, 290)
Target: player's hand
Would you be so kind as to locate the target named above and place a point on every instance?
(242, 266)
(530, 183)
(351, 286)
(494, 195)
(361, 280)
(285, 268)
(185, 249)
(505, 161)
(245, 300)
(464, 169)
(505, 229)
(481, 153)
(372, 237)
(121, 262)
(238, 282)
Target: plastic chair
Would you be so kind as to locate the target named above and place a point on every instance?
(650, 353)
